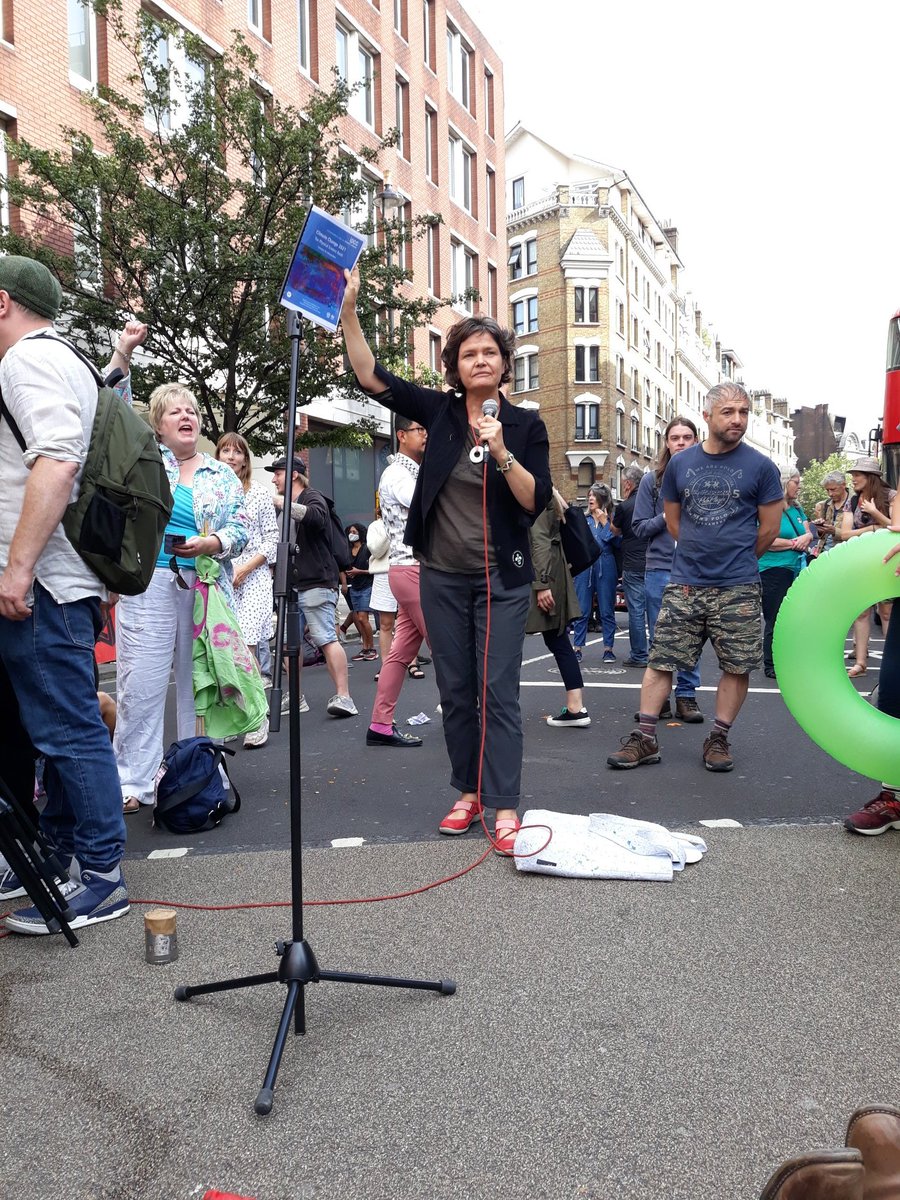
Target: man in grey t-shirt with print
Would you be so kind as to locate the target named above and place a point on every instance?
(723, 508)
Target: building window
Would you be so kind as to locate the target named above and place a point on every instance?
(586, 306)
(620, 317)
(433, 244)
(356, 67)
(620, 262)
(259, 17)
(587, 422)
(401, 105)
(518, 192)
(459, 67)
(400, 19)
(531, 257)
(526, 375)
(587, 364)
(428, 30)
(525, 315)
(620, 427)
(463, 273)
(492, 291)
(635, 434)
(174, 81)
(431, 153)
(86, 251)
(489, 102)
(434, 352)
(461, 167)
(490, 199)
(361, 214)
(4, 173)
(620, 372)
(82, 43)
(304, 39)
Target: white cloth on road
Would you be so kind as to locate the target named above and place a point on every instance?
(602, 846)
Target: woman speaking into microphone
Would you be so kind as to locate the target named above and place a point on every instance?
(482, 481)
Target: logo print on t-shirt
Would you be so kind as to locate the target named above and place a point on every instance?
(712, 494)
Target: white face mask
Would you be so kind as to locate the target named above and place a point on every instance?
(352, 537)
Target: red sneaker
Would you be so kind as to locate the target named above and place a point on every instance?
(878, 816)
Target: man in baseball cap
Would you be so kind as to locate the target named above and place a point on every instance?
(50, 599)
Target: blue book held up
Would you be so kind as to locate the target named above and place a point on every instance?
(314, 284)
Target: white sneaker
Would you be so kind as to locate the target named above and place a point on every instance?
(258, 737)
(286, 705)
(341, 706)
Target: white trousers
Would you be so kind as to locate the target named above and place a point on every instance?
(153, 631)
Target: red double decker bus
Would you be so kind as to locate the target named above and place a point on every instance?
(891, 422)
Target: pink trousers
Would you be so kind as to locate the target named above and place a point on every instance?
(409, 631)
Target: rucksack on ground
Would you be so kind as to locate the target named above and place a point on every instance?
(191, 796)
(116, 525)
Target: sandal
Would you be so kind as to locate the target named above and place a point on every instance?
(413, 671)
(468, 810)
(130, 805)
(505, 830)
(856, 670)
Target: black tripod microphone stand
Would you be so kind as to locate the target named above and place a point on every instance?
(298, 965)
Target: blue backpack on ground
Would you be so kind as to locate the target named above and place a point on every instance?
(191, 797)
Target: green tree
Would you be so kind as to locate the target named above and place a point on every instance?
(811, 489)
(184, 215)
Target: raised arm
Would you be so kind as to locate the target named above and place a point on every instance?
(362, 360)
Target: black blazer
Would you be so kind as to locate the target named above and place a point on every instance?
(444, 416)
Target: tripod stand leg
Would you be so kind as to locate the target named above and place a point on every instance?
(264, 1099)
(225, 985)
(446, 987)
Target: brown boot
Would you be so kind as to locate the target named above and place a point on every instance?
(875, 1132)
(818, 1175)
(637, 750)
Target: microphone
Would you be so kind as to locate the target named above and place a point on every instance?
(489, 408)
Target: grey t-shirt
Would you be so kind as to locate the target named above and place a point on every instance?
(456, 535)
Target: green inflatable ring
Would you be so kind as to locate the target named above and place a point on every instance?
(808, 651)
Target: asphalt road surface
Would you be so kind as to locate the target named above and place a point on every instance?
(382, 794)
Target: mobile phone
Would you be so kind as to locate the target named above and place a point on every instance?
(171, 542)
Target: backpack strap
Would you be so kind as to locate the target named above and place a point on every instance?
(84, 359)
(4, 411)
(191, 789)
(16, 431)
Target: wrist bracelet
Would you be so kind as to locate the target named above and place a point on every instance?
(506, 466)
(122, 354)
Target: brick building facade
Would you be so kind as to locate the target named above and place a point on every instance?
(426, 69)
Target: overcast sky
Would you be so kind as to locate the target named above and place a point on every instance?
(769, 134)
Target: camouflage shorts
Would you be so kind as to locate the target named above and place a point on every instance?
(690, 616)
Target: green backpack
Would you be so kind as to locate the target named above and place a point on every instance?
(116, 525)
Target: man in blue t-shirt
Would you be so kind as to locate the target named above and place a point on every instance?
(723, 505)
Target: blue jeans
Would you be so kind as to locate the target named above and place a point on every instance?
(600, 578)
(686, 682)
(50, 660)
(635, 598)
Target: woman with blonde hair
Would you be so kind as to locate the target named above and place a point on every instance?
(155, 630)
(252, 577)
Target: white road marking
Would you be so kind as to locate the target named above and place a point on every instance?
(172, 852)
(339, 843)
(722, 823)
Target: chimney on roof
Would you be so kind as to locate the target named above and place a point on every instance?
(671, 235)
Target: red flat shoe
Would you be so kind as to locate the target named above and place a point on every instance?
(460, 817)
(505, 830)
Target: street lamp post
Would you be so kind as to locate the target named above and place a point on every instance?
(389, 201)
